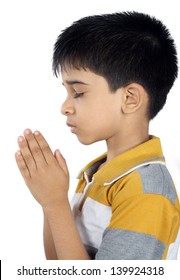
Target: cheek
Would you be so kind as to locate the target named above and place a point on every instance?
(99, 115)
(108, 117)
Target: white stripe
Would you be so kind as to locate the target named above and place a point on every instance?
(91, 221)
(173, 249)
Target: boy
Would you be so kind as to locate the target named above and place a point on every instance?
(117, 70)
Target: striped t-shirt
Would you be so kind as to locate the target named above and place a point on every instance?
(129, 208)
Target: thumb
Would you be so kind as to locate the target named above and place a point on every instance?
(62, 162)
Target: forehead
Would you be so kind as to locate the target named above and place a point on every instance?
(80, 76)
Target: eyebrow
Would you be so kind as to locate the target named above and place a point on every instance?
(72, 82)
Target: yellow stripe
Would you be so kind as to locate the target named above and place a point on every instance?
(105, 195)
(147, 213)
(81, 185)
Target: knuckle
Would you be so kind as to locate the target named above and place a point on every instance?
(45, 148)
(35, 150)
(24, 170)
(28, 159)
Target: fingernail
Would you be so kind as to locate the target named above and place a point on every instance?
(20, 139)
(18, 154)
(27, 131)
(36, 132)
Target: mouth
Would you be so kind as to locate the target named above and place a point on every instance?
(70, 124)
(72, 127)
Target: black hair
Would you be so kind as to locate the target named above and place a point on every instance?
(122, 47)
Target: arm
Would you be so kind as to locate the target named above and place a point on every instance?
(141, 228)
(49, 247)
(47, 177)
(66, 238)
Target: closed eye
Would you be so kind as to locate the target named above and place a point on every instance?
(78, 94)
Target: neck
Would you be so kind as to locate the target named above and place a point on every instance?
(122, 142)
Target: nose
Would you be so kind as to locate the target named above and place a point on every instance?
(67, 108)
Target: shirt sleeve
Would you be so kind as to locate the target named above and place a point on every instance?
(142, 227)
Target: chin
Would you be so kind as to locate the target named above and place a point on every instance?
(88, 141)
(84, 142)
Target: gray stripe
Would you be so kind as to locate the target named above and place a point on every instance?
(156, 179)
(129, 245)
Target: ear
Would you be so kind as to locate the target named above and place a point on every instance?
(134, 96)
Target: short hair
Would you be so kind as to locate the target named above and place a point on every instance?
(122, 47)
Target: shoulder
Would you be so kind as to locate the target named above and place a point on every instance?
(156, 179)
(152, 179)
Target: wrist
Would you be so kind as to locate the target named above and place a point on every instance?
(58, 205)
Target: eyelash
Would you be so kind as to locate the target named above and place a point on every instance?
(78, 94)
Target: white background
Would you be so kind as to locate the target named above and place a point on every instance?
(30, 96)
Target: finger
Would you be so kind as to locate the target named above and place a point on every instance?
(26, 154)
(46, 151)
(22, 165)
(61, 161)
(34, 148)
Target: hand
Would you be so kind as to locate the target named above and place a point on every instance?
(46, 174)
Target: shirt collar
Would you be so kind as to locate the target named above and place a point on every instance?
(149, 152)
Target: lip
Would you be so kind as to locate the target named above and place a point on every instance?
(72, 126)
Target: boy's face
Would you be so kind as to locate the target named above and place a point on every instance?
(93, 111)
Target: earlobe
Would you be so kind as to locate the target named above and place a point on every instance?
(133, 97)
